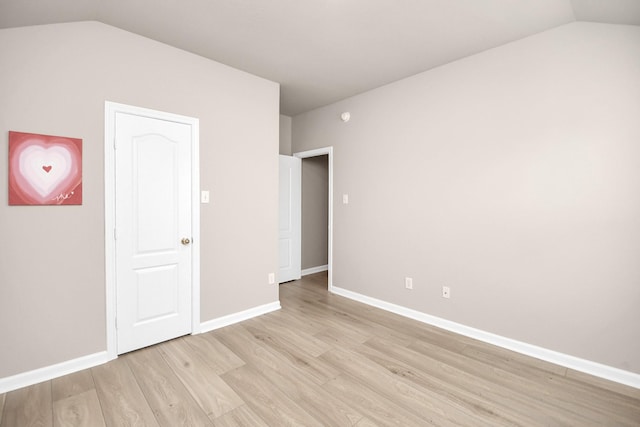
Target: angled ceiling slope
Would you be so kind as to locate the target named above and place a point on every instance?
(327, 50)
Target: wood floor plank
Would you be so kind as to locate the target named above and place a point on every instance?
(307, 324)
(170, 401)
(289, 376)
(519, 394)
(241, 416)
(366, 422)
(411, 397)
(454, 385)
(409, 327)
(304, 341)
(396, 328)
(328, 330)
(379, 409)
(326, 408)
(356, 320)
(586, 395)
(271, 404)
(211, 393)
(320, 371)
(297, 384)
(511, 360)
(585, 398)
(72, 384)
(78, 410)
(121, 399)
(214, 353)
(339, 338)
(601, 383)
(248, 348)
(564, 404)
(29, 407)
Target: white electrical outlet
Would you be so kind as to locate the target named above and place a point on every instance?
(272, 278)
(408, 282)
(446, 292)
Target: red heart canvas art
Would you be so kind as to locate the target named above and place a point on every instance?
(44, 169)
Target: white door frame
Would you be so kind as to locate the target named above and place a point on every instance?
(110, 111)
(321, 152)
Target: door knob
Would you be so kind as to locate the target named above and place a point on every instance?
(185, 241)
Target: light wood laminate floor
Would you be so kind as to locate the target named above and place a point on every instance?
(323, 360)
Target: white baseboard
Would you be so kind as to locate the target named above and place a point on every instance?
(313, 270)
(50, 372)
(596, 369)
(230, 319)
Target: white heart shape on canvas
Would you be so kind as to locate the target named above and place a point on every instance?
(45, 168)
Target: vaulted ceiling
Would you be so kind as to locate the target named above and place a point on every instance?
(321, 51)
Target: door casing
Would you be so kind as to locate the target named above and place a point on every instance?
(111, 108)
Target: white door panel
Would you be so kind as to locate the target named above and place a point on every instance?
(290, 219)
(153, 215)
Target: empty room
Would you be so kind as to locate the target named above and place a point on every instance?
(328, 213)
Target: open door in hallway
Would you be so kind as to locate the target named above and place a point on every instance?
(290, 219)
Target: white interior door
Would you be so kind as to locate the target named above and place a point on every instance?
(290, 232)
(153, 230)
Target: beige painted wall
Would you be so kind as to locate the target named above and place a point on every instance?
(315, 211)
(55, 79)
(512, 177)
(285, 135)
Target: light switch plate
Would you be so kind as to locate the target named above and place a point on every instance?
(345, 199)
(204, 196)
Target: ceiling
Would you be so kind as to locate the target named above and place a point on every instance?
(321, 51)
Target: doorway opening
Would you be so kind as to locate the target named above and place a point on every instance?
(317, 215)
